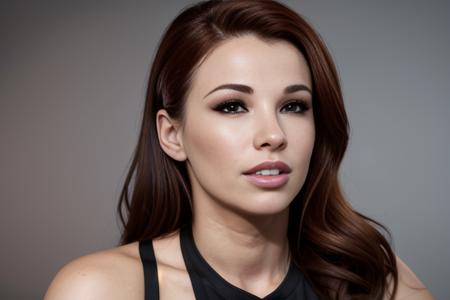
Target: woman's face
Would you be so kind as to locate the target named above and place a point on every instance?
(268, 118)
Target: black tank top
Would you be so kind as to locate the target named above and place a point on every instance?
(208, 284)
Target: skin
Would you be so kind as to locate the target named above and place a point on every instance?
(241, 231)
(239, 228)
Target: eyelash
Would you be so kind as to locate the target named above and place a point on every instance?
(304, 106)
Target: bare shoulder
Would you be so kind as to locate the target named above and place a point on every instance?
(410, 287)
(111, 274)
(117, 273)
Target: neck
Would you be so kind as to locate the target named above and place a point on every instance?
(249, 252)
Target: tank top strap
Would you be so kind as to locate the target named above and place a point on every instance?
(147, 255)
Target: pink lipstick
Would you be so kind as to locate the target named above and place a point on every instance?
(269, 174)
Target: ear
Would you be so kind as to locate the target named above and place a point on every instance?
(169, 135)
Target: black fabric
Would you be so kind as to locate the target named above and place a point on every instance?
(209, 285)
(147, 254)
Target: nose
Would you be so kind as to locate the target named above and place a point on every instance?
(269, 134)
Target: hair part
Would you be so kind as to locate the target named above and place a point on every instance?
(341, 252)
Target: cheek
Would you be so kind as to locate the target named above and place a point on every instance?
(301, 142)
(213, 143)
(308, 138)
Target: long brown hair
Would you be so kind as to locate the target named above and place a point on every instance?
(340, 251)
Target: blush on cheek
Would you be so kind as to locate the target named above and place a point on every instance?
(201, 141)
(216, 147)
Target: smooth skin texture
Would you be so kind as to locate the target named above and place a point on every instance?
(239, 228)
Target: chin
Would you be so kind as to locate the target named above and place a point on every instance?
(265, 207)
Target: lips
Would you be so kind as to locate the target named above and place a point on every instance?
(269, 181)
(284, 168)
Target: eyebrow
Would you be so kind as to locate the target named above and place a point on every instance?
(248, 90)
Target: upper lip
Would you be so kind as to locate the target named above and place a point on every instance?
(284, 168)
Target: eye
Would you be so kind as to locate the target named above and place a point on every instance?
(296, 106)
(231, 107)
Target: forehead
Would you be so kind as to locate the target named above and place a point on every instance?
(250, 60)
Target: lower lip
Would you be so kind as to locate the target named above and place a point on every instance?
(273, 181)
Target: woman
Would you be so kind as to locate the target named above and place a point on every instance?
(235, 188)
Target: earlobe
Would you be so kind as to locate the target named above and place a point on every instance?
(169, 135)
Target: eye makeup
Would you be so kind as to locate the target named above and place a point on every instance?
(236, 106)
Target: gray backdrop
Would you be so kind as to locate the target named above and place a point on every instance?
(72, 83)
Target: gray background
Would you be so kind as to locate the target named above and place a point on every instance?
(72, 84)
